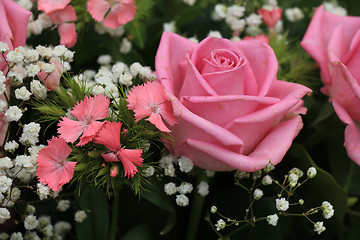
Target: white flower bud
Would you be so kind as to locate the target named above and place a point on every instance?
(311, 172)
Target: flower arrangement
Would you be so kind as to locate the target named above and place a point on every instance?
(184, 119)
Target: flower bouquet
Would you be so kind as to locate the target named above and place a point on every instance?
(182, 119)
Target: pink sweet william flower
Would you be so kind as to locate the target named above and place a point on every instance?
(261, 37)
(53, 169)
(87, 112)
(270, 17)
(51, 80)
(150, 100)
(121, 11)
(65, 18)
(52, 5)
(109, 136)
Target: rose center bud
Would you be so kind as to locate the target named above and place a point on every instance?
(222, 60)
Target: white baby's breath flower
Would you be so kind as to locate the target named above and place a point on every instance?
(30, 209)
(215, 34)
(253, 20)
(182, 200)
(4, 236)
(327, 209)
(236, 11)
(15, 194)
(13, 114)
(32, 70)
(112, 91)
(104, 59)
(16, 236)
(61, 228)
(59, 51)
(44, 51)
(3, 105)
(185, 187)
(14, 56)
(97, 89)
(125, 46)
(220, 11)
(213, 209)
(38, 89)
(293, 179)
(22, 93)
(170, 188)
(221, 224)
(126, 79)
(4, 215)
(2, 87)
(30, 134)
(311, 172)
(80, 216)
(203, 188)
(6, 163)
(297, 171)
(11, 146)
(258, 193)
(294, 14)
(63, 205)
(272, 219)
(30, 222)
(149, 171)
(319, 227)
(282, 204)
(267, 180)
(5, 183)
(43, 191)
(23, 161)
(209, 173)
(48, 67)
(3, 47)
(185, 164)
(189, 2)
(169, 26)
(31, 55)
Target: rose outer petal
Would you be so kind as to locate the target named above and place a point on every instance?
(171, 52)
(352, 133)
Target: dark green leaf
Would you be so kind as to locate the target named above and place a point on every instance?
(140, 231)
(96, 225)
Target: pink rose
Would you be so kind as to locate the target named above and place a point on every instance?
(334, 42)
(233, 113)
(13, 26)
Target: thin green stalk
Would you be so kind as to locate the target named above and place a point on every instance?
(349, 176)
(196, 211)
(115, 216)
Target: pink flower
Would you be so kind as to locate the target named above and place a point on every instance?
(233, 112)
(53, 169)
(86, 112)
(109, 136)
(334, 42)
(51, 80)
(121, 11)
(13, 26)
(270, 17)
(52, 5)
(151, 101)
(64, 18)
(260, 37)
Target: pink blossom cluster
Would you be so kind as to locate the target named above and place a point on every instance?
(111, 13)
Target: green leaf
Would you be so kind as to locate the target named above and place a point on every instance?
(155, 194)
(96, 225)
(140, 231)
(136, 33)
(321, 188)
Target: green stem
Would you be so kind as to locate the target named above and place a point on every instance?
(196, 211)
(349, 176)
(115, 216)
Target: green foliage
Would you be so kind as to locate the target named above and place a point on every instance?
(96, 225)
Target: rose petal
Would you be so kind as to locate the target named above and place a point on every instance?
(52, 5)
(211, 156)
(277, 142)
(352, 133)
(171, 52)
(264, 68)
